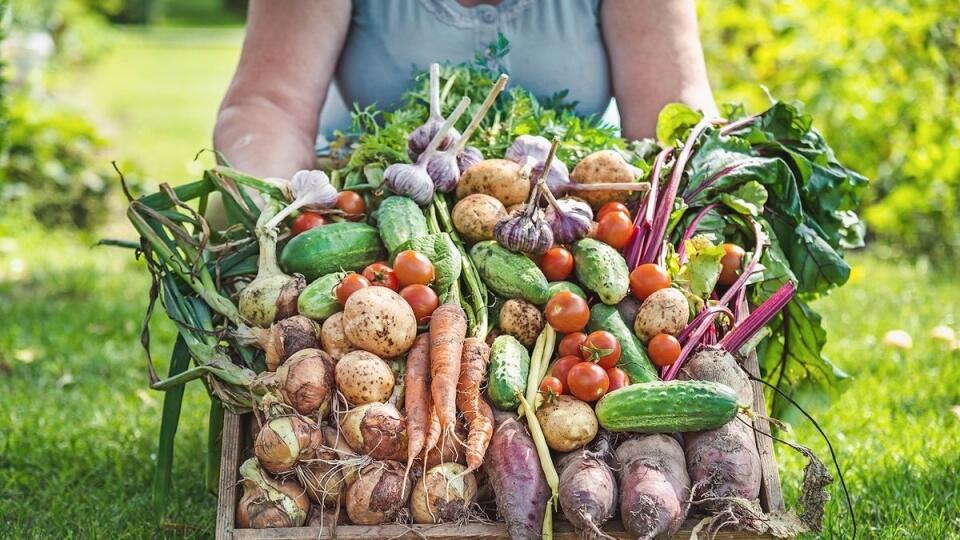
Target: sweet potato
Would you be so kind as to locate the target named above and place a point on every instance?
(654, 486)
(588, 493)
(518, 482)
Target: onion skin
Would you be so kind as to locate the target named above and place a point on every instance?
(288, 336)
(443, 495)
(284, 441)
(377, 430)
(258, 300)
(378, 495)
(306, 382)
(269, 503)
(289, 294)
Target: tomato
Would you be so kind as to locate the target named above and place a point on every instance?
(664, 349)
(730, 262)
(587, 381)
(413, 268)
(557, 263)
(647, 279)
(422, 300)
(570, 344)
(551, 386)
(601, 347)
(349, 285)
(615, 229)
(381, 275)
(562, 368)
(306, 221)
(618, 378)
(612, 206)
(567, 312)
(351, 202)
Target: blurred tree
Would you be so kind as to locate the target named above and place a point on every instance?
(881, 79)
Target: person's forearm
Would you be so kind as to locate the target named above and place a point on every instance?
(655, 58)
(258, 139)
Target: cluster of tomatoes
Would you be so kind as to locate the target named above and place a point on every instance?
(587, 367)
(349, 202)
(614, 227)
(411, 275)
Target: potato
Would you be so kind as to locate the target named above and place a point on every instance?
(521, 320)
(475, 215)
(499, 178)
(663, 312)
(568, 423)
(604, 166)
(379, 321)
(333, 339)
(364, 378)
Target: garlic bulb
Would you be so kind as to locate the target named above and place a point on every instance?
(569, 219)
(470, 156)
(528, 147)
(310, 190)
(525, 231)
(419, 139)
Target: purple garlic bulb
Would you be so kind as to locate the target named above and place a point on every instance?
(569, 219)
(420, 138)
(444, 171)
(524, 232)
(410, 180)
(525, 148)
(557, 176)
(469, 157)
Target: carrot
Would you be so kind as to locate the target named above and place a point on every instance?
(479, 417)
(416, 399)
(448, 327)
(433, 433)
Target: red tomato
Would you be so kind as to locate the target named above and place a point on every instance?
(350, 284)
(647, 279)
(663, 349)
(603, 348)
(587, 381)
(562, 368)
(351, 202)
(612, 206)
(618, 378)
(413, 268)
(615, 229)
(730, 262)
(422, 300)
(306, 221)
(570, 344)
(381, 275)
(567, 312)
(551, 386)
(557, 263)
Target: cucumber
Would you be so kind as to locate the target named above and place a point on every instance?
(318, 300)
(559, 286)
(668, 407)
(400, 220)
(509, 274)
(633, 356)
(509, 368)
(444, 255)
(336, 247)
(601, 269)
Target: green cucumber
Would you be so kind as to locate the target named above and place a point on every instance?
(509, 274)
(633, 356)
(559, 286)
(318, 300)
(342, 246)
(400, 220)
(668, 407)
(509, 369)
(601, 269)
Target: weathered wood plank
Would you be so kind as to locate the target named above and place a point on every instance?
(229, 469)
(771, 494)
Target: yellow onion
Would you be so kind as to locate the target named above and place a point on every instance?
(327, 476)
(269, 503)
(260, 299)
(378, 495)
(306, 382)
(282, 339)
(443, 495)
(284, 441)
(377, 430)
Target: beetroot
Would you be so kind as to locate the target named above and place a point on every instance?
(518, 482)
(588, 493)
(654, 486)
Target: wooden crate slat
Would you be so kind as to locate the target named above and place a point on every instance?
(229, 470)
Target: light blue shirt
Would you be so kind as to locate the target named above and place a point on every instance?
(554, 45)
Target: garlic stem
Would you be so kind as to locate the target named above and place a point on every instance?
(444, 128)
(478, 117)
(435, 91)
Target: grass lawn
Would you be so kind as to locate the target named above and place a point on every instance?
(78, 426)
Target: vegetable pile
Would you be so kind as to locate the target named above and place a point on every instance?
(546, 320)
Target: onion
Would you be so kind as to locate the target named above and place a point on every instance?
(306, 382)
(284, 441)
(282, 339)
(378, 495)
(377, 430)
(271, 288)
(443, 495)
(269, 503)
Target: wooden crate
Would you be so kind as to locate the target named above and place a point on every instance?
(234, 427)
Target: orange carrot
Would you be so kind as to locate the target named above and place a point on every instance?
(473, 367)
(433, 433)
(416, 398)
(448, 327)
